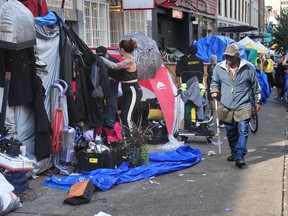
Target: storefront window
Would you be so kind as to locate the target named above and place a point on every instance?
(96, 27)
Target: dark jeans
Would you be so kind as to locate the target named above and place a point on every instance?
(237, 135)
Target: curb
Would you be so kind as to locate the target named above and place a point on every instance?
(285, 171)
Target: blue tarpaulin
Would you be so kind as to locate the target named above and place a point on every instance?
(159, 163)
(216, 45)
(263, 82)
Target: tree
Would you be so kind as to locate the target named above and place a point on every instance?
(280, 32)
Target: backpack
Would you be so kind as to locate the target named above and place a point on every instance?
(37, 7)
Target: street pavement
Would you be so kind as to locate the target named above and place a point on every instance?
(213, 187)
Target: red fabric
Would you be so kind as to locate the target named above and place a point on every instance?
(115, 134)
(163, 89)
(98, 131)
(37, 7)
(74, 89)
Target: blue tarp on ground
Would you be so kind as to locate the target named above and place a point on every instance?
(160, 163)
(216, 45)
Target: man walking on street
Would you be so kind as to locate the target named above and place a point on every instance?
(236, 80)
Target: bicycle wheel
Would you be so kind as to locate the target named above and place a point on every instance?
(253, 124)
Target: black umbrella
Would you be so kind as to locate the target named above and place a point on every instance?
(17, 29)
(146, 54)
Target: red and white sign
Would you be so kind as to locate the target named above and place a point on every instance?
(138, 4)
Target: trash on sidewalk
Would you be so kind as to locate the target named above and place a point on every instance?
(102, 214)
(227, 209)
(211, 153)
(153, 182)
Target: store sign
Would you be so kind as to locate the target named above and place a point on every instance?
(138, 4)
(177, 14)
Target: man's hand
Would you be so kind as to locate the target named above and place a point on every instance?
(257, 106)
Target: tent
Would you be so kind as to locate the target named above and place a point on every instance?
(163, 87)
(249, 43)
(216, 45)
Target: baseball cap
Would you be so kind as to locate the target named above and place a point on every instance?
(101, 50)
(232, 50)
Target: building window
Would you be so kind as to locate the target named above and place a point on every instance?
(243, 10)
(225, 8)
(135, 21)
(219, 7)
(246, 12)
(231, 9)
(239, 11)
(235, 9)
(126, 22)
(96, 27)
(117, 28)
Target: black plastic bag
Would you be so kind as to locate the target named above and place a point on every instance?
(80, 193)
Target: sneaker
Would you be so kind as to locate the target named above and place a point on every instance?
(240, 162)
(231, 158)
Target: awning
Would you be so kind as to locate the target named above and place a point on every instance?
(181, 9)
(237, 29)
(258, 36)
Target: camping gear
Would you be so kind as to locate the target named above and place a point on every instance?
(15, 163)
(67, 151)
(160, 134)
(249, 43)
(146, 55)
(80, 193)
(199, 119)
(10, 157)
(8, 201)
(19, 180)
(159, 163)
(17, 26)
(216, 45)
(58, 132)
(90, 160)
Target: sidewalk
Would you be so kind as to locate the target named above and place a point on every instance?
(213, 187)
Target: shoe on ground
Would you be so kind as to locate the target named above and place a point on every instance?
(278, 99)
(240, 162)
(231, 158)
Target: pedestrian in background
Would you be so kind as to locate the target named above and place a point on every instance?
(268, 68)
(280, 77)
(259, 61)
(236, 79)
(189, 62)
(113, 93)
